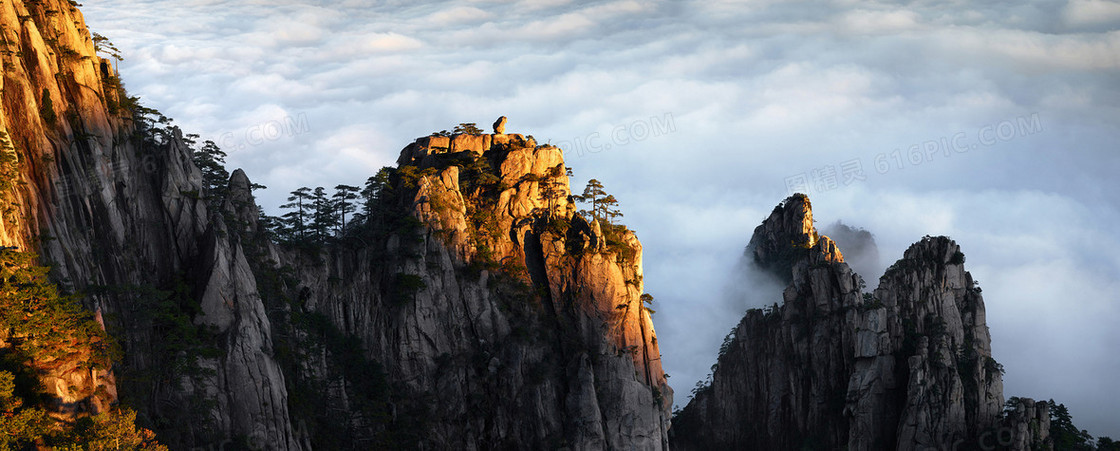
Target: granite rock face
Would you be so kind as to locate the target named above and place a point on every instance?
(907, 366)
(527, 330)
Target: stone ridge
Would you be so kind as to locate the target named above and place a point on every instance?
(925, 329)
(47, 56)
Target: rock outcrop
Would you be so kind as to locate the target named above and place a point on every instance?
(500, 126)
(524, 326)
(907, 366)
(784, 370)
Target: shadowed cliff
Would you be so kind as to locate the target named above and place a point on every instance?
(906, 366)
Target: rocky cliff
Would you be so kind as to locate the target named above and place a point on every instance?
(906, 366)
(518, 322)
(473, 309)
(106, 193)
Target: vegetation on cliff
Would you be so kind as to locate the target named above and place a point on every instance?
(41, 331)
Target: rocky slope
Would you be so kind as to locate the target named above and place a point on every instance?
(907, 366)
(477, 309)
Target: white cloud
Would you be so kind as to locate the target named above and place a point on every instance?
(1035, 51)
(458, 16)
(863, 21)
(390, 42)
(1091, 12)
(563, 26)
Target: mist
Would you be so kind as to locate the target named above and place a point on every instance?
(741, 286)
(859, 249)
(749, 287)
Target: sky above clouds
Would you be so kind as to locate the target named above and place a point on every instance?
(995, 123)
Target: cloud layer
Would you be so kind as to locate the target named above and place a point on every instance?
(993, 123)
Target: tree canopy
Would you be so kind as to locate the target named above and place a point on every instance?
(1066, 436)
(211, 160)
(604, 207)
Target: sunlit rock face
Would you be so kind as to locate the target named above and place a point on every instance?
(907, 366)
(529, 330)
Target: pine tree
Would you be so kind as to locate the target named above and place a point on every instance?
(38, 318)
(103, 45)
(343, 198)
(323, 216)
(647, 303)
(1065, 434)
(552, 189)
(41, 327)
(20, 425)
(371, 193)
(271, 224)
(375, 184)
(469, 128)
(593, 193)
(210, 159)
(296, 220)
(190, 139)
(608, 208)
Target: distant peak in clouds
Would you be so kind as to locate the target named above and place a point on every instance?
(857, 370)
(860, 250)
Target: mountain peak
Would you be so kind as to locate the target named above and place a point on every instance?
(907, 366)
(937, 249)
(421, 151)
(788, 235)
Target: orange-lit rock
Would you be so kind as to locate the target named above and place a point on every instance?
(478, 144)
(500, 126)
(602, 383)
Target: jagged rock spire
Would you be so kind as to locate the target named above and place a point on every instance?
(908, 366)
(240, 202)
(788, 236)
